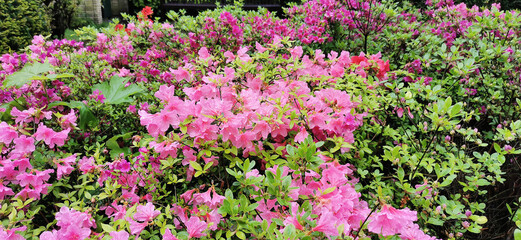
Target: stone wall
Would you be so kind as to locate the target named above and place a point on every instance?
(90, 9)
(118, 6)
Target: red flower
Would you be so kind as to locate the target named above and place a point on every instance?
(147, 11)
(119, 27)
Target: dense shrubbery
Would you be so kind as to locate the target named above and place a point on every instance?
(21, 20)
(237, 124)
(63, 15)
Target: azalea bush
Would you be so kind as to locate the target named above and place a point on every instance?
(345, 120)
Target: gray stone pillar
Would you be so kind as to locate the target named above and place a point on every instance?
(91, 9)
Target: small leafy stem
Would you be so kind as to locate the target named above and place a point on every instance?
(424, 152)
(365, 220)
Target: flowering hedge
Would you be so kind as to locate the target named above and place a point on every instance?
(237, 124)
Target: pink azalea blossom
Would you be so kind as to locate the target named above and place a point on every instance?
(390, 221)
(203, 53)
(146, 213)
(119, 235)
(11, 234)
(195, 227)
(24, 144)
(7, 133)
(168, 235)
(50, 137)
(65, 166)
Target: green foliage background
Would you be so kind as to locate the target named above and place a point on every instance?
(20, 20)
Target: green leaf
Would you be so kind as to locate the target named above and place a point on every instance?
(435, 221)
(478, 219)
(196, 166)
(448, 180)
(208, 165)
(107, 228)
(112, 142)
(115, 91)
(28, 73)
(240, 235)
(86, 115)
(517, 234)
(455, 110)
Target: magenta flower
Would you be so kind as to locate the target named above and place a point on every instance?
(136, 227)
(97, 95)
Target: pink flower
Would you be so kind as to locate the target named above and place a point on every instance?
(168, 235)
(67, 217)
(73, 225)
(87, 164)
(7, 133)
(260, 48)
(121, 235)
(11, 234)
(301, 135)
(24, 144)
(5, 191)
(49, 235)
(69, 120)
(51, 137)
(97, 95)
(136, 227)
(74, 232)
(65, 166)
(326, 224)
(390, 221)
(195, 227)
(22, 116)
(399, 112)
(131, 108)
(146, 213)
(203, 53)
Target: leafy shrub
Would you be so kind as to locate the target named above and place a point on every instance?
(21, 20)
(218, 127)
(63, 15)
